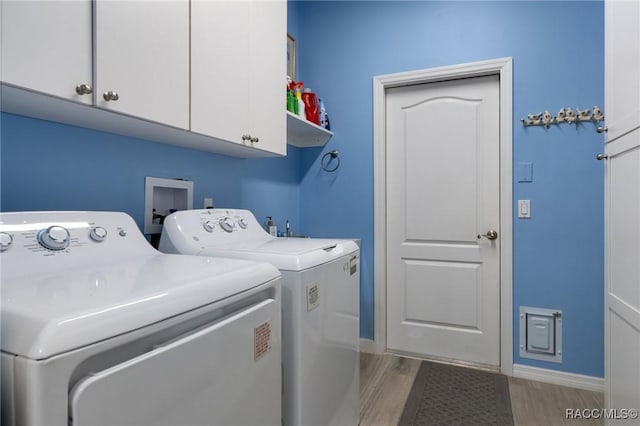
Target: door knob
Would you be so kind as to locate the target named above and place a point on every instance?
(490, 235)
(601, 157)
(602, 129)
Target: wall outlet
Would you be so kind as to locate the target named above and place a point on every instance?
(208, 203)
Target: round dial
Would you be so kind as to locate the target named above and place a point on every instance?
(54, 238)
(209, 225)
(227, 224)
(5, 241)
(243, 223)
(98, 234)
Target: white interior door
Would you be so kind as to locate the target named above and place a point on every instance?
(622, 207)
(622, 295)
(443, 191)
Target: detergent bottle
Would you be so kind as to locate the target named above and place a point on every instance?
(311, 105)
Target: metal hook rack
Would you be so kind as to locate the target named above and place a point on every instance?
(565, 115)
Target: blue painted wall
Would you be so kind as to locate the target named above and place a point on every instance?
(558, 61)
(557, 50)
(51, 166)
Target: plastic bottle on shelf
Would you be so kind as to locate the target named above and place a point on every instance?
(324, 118)
(301, 110)
(271, 226)
(311, 105)
(291, 99)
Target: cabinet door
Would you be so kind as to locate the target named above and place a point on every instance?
(220, 65)
(267, 80)
(622, 66)
(142, 54)
(238, 69)
(622, 206)
(41, 54)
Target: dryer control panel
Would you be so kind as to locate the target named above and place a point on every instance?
(73, 237)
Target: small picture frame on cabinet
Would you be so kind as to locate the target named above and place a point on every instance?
(291, 57)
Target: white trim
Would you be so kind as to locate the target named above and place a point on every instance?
(502, 67)
(561, 378)
(367, 346)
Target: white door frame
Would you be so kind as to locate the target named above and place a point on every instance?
(502, 67)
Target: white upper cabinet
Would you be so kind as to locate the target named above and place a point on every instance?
(238, 72)
(622, 67)
(46, 47)
(142, 59)
(202, 74)
(268, 74)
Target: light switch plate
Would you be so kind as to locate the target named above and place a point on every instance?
(208, 203)
(524, 209)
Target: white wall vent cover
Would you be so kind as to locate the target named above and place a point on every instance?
(541, 334)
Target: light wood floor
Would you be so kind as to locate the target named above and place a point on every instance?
(385, 382)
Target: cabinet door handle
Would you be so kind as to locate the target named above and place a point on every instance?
(110, 96)
(84, 89)
(255, 140)
(246, 137)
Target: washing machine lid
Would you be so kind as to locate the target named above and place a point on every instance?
(286, 254)
(47, 314)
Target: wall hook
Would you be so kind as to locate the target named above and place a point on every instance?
(547, 119)
(570, 116)
(597, 114)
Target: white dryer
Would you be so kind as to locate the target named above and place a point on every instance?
(320, 301)
(98, 328)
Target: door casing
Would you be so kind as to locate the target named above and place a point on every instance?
(502, 67)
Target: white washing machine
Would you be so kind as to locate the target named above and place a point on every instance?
(320, 300)
(99, 328)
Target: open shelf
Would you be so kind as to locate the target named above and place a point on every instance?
(303, 133)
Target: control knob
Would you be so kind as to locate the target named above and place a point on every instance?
(208, 225)
(5, 241)
(243, 223)
(98, 234)
(54, 237)
(227, 224)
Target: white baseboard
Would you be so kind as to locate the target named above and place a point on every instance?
(561, 378)
(368, 346)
